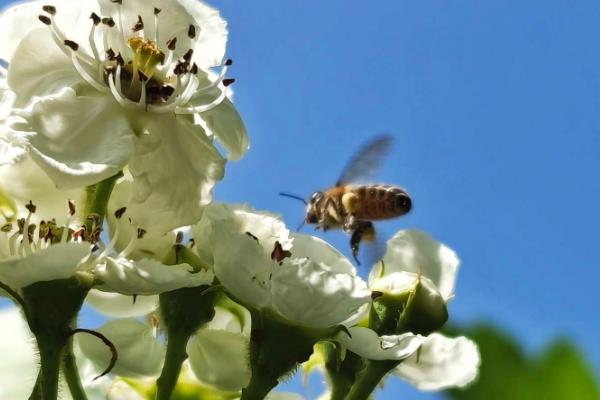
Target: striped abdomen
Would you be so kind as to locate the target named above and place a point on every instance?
(375, 202)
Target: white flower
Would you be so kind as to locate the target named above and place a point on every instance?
(441, 363)
(415, 263)
(120, 88)
(308, 283)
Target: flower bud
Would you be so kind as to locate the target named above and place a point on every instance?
(406, 302)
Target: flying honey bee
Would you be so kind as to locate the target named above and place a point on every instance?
(352, 206)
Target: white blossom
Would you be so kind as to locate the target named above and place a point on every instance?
(308, 282)
(120, 89)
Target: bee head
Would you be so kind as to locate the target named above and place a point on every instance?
(312, 215)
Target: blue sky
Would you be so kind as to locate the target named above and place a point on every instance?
(494, 107)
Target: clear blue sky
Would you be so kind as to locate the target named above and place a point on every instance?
(495, 109)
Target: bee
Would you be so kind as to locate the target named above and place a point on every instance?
(353, 207)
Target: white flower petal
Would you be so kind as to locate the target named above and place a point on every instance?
(441, 363)
(415, 251)
(25, 181)
(241, 267)
(153, 244)
(174, 169)
(307, 246)
(225, 123)
(140, 354)
(77, 140)
(219, 359)
(309, 294)
(39, 67)
(18, 366)
(367, 344)
(121, 306)
(148, 277)
(59, 261)
(7, 99)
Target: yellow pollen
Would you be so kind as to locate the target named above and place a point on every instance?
(147, 56)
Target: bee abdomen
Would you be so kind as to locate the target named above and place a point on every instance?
(381, 202)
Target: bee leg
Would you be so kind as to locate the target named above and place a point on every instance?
(364, 230)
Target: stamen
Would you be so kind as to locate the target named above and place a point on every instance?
(92, 36)
(26, 239)
(49, 9)
(143, 80)
(95, 19)
(45, 20)
(111, 245)
(156, 33)
(130, 247)
(85, 75)
(139, 25)
(108, 22)
(220, 78)
(172, 44)
(71, 44)
(191, 32)
(203, 108)
(116, 92)
(62, 40)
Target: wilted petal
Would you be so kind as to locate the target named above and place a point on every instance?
(367, 344)
(139, 353)
(441, 363)
(309, 294)
(77, 140)
(417, 252)
(121, 306)
(148, 277)
(219, 358)
(59, 261)
(174, 169)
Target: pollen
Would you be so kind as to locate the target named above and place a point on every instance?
(147, 55)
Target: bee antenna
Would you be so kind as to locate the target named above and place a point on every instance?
(293, 196)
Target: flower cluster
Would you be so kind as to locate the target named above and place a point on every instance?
(115, 124)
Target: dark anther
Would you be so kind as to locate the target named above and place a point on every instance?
(228, 62)
(72, 45)
(192, 32)
(45, 19)
(95, 18)
(72, 208)
(179, 237)
(108, 22)
(166, 91)
(375, 295)
(157, 11)
(181, 68)
(119, 213)
(172, 43)
(278, 253)
(49, 9)
(110, 54)
(194, 69)
(252, 236)
(228, 81)
(139, 25)
(142, 77)
(119, 59)
(30, 207)
(191, 243)
(141, 233)
(117, 1)
(188, 55)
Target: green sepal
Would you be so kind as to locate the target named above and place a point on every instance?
(277, 347)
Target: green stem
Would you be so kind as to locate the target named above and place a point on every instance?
(174, 358)
(49, 370)
(341, 375)
(72, 373)
(368, 379)
(259, 387)
(97, 197)
(36, 394)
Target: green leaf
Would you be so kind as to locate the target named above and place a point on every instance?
(558, 372)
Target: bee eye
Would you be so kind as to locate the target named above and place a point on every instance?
(316, 196)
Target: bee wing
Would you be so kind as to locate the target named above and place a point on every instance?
(366, 161)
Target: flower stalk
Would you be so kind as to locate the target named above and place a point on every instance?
(369, 377)
(71, 373)
(183, 312)
(97, 197)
